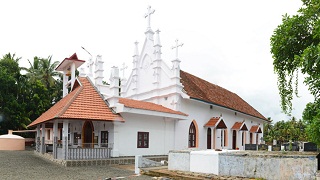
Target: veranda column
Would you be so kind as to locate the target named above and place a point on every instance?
(43, 130)
(55, 139)
(38, 141)
(65, 139)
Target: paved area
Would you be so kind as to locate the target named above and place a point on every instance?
(26, 165)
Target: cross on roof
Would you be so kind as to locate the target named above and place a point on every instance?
(176, 47)
(123, 68)
(148, 15)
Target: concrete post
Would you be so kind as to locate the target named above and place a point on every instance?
(55, 139)
(38, 141)
(43, 130)
(65, 139)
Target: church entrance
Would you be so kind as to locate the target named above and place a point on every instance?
(234, 139)
(209, 138)
(87, 134)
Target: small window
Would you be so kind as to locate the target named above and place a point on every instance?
(192, 135)
(143, 140)
(104, 138)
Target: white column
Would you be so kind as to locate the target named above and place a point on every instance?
(65, 139)
(65, 84)
(43, 131)
(73, 73)
(55, 139)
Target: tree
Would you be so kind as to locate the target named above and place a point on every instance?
(295, 47)
(23, 98)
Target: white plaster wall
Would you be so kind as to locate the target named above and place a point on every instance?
(205, 161)
(201, 113)
(161, 135)
(179, 160)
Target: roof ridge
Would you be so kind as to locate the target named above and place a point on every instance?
(102, 97)
(203, 90)
(65, 108)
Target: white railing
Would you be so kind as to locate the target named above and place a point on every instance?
(89, 151)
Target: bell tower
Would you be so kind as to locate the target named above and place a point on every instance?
(68, 66)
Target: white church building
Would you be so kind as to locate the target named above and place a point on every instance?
(158, 108)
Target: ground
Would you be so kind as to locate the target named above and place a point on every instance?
(26, 165)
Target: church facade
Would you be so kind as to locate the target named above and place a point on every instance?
(158, 108)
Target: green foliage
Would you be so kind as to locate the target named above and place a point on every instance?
(23, 98)
(311, 116)
(295, 46)
(284, 131)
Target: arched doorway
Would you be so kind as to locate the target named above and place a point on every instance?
(209, 138)
(192, 135)
(87, 134)
(234, 139)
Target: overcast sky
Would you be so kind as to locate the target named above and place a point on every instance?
(225, 42)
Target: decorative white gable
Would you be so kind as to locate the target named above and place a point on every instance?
(151, 78)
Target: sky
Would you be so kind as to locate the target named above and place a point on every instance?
(225, 42)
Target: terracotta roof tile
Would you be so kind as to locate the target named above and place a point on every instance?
(240, 126)
(255, 129)
(237, 125)
(212, 122)
(131, 103)
(84, 103)
(216, 122)
(200, 89)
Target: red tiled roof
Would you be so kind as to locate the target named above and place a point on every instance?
(148, 106)
(213, 123)
(83, 103)
(200, 89)
(255, 129)
(240, 126)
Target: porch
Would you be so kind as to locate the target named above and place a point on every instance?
(74, 140)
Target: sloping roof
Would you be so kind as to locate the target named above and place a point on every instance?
(66, 61)
(202, 90)
(240, 126)
(255, 129)
(216, 122)
(148, 106)
(83, 103)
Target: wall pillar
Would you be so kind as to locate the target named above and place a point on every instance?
(115, 148)
(65, 140)
(43, 131)
(38, 141)
(55, 139)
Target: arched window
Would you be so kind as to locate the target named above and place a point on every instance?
(192, 135)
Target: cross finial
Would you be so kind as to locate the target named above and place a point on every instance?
(123, 68)
(177, 46)
(147, 15)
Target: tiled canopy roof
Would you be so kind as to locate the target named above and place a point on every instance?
(83, 103)
(214, 122)
(200, 89)
(148, 106)
(255, 129)
(240, 126)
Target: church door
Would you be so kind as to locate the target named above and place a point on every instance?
(209, 138)
(234, 139)
(87, 134)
